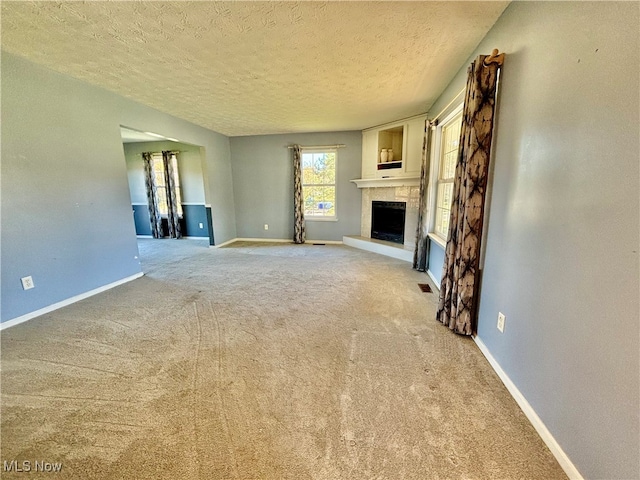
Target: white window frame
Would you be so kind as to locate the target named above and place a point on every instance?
(434, 174)
(316, 218)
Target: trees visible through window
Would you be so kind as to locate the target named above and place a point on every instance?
(448, 157)
(319, 183)
(160, 179)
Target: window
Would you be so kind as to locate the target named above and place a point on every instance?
(161, 184)
(447, 155)
(319, 184)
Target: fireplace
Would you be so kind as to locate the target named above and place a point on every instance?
(387, 221)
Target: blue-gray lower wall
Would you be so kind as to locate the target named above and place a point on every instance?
(562, 234)
(141, 219)
(212, 240)
(435, 261)
(193, 216)
(263, 185)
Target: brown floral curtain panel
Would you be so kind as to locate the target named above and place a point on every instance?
(460, 274)
(155, 218)
(173, 200)
(421, 252)
(298, 200)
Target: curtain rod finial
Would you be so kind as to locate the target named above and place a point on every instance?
(495, 57)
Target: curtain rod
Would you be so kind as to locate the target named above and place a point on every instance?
(160, 152)
(339, 145)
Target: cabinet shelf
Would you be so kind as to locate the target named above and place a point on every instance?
(389, 165)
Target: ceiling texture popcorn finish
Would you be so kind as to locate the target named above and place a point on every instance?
(246, 68)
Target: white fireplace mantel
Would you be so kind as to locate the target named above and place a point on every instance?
(387, 182)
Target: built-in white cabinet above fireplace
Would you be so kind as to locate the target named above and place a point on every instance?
(393, 150)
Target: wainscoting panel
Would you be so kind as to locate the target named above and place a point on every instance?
(194, 216)
(141, 218)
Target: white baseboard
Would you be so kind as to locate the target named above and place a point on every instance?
(277, 240)
(181, 238)
(68, 301)
(242, 239)
(224, 243)
(327, 242)
(266, 240)
(562, 458)
(435, 280)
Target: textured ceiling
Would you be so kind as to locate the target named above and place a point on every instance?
(243, 68)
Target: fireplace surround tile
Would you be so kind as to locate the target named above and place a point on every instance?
(410, 195)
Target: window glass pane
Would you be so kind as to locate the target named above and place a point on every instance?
(327, 201)
(449, 150)
(178, 199)
(445, 222)
(307, 168)
(442, 226)
(311, 198)
(449, 164)
(440, 188)
(443, 207)
(447, 194)
(161, 197)
(307, 160)
(330, 161)
(161, 187)
(319, 201)
(438, 226)
(158, 173)
(324, 167)
(450, 140)
(318, 168)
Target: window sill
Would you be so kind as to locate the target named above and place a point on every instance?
(320, 219)
(438, 240)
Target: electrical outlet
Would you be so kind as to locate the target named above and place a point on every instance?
(27, 283)
(201, 225)
(266, 227)
(501, 320)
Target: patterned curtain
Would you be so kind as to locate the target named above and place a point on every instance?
(460, 275)
(155, 219)
(298, 200)
(170, 180)
(421, 252)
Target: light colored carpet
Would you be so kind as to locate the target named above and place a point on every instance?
(260, 361)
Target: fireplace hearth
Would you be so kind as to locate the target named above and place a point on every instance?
(387, 221)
